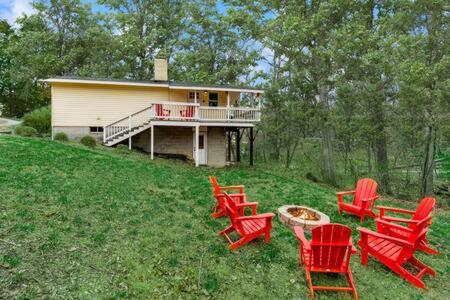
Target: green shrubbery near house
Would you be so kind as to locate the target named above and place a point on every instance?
(25, 131)
(88, 141)
(61, 136)
(39, 119)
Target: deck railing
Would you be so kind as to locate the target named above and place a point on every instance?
(178, 111)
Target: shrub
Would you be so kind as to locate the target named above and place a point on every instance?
(88, 141)
(40, 119)
(123, 149)
(25, 131)
(61, 136)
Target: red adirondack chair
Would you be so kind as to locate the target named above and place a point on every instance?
(219, 209)
(364, 197)
(160, 111)
(329, 251)
(188, 113)
(394, 252)
(248, 227)
(422, 211)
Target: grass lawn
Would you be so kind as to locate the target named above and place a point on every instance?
(81, 223)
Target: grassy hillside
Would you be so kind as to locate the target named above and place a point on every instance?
(81, 223)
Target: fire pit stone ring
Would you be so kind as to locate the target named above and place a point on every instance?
(296, 215)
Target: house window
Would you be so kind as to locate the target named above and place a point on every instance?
(96, 129)
(192, 96)
(213, 99)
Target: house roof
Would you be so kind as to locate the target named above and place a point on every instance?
(154, 83)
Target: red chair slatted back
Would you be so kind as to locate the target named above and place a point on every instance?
(232, 212)
(217, 192)
(215, 185)
(331, 246)
(423, 210)
(419, 229)
(159, 109)
(190, 112)
(365, 188)
(413, 237)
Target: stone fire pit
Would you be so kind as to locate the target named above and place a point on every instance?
(295, 215)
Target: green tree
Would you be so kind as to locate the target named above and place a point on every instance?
(212, 48)
(146, 29)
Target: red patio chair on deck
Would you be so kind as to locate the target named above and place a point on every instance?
(160, 111)
(422, 211)
(219, 209)
(329, 251)
(395, 253)
(364, 197)
(248, 227)
(188, 113)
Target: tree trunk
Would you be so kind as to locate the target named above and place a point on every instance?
(327, 155)
(380, 145)
(428, 163)
(327, 141)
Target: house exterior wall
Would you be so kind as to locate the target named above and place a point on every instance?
(179, 140)
(97, 105)
(84, 105)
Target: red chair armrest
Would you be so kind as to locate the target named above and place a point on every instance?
(365, 231)
(340, 195)
(395, 209)
(241, 197)
(253, 205)
(299, 233)
(400, 220)
(345, 193)
(240, 188)
(260, 216)
(392, 225)
(247, 204)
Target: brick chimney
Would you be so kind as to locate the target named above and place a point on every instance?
(161, 69)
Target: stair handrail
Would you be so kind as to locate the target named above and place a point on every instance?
(108, 133)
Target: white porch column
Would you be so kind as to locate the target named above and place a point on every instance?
(195, 96)
(152, 140)
(197, 133)
(129, 132)
(228, 105)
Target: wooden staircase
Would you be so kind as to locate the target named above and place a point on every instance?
(127, 127)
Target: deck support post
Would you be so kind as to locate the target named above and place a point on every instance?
(129, 132)
(228, 146)
(251, 146)
(197, 133)
(238, 145)
(152, 140)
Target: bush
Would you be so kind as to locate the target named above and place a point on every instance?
(88, 141)
(123, 149)
(61, 136)
(25, 131)
(40, 119)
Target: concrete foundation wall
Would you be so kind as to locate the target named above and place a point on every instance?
(168, 140)
(216, 146)
(77, 132)
(179, 140)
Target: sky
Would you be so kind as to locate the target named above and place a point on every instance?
(12, 9)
